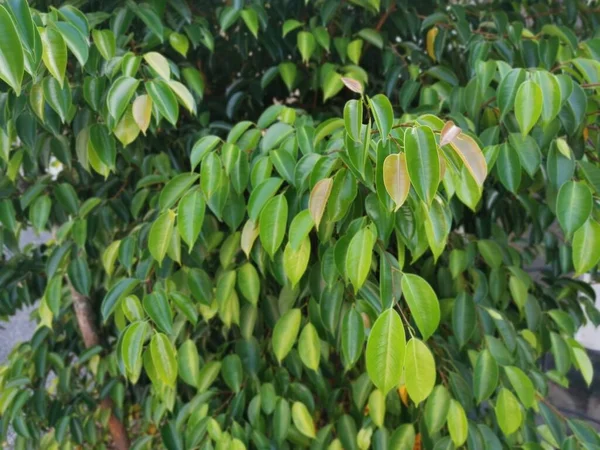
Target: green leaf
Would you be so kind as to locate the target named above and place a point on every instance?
(164, 357)
(261, 195)
(309, 347)
(39, 212)
(290, 25)
(423, 303)
(59, 98)
(463, 318)
(80, 276)
(384, 114)
(190, 217)
(160, 235)
(54, 53)
(120, 290)
(306, 45)
(133, 344)
(528, 105)
(148, 15)
(295, 262)
(436, 408)
(508, 166)
(359, 256)
(285, 333)
(419, 370)
(586, 247)
(157, 306)
(507, 90)
(574, 205)
(584, 364)
(272, 224)
(300, 228)
(105, 43)
(385, 351)
(232, 372)
(175, 188)
(485, 376)
(303, 420)
(103, 144)
(457, 423)
(76, 42)
(522, 385)
(353, 337)
(163, 98)
(422, 161)
(550, 89)
(250, 18)
(353, 119)
(211, 174)
(508, 412)
(120, 95)
(12, 65)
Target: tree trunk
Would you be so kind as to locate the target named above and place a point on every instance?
(85, 319)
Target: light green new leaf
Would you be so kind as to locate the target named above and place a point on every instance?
(384, 114)
(288, 72)
(184, 95)
(250, 18)
(508, 412)
(423, 162)
(12, 65)
(436, 408)
(457, 423)
(574, 205)
(188, 362)
(359, 256)
(423, 303)
(180, 43)
(528, 105)
(306, 45)
(160, 235)
(175, 188)
(303, 420)
(164, 358)
(586, 247)
(295, 262)
(272, 224)
(522, 385)
(485, 376)
(190, 216)
(285, 333)
(419, 370)
(163, 97)
(120, 94)
(385, 351)
(248, 283)
(142, 112)
(55, 53)
(309, 347)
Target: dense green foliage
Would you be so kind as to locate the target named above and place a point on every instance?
(298, 224)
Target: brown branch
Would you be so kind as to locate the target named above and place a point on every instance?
(85, 320)
(385, 17)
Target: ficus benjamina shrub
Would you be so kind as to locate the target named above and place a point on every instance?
(298, 224)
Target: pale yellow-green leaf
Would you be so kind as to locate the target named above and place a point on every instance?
(419, 370)
(183, 95)
(127, 129)
(395, 178)
(303, 420)
(295, 261)
(508, 412)
(159, 64)
(142, 112)
(109, 256)
(309, 347)
(318, 199)
(285, 333)
(457, 423)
